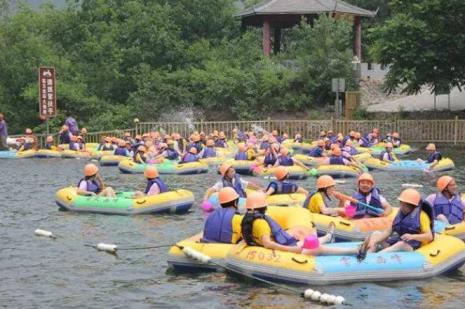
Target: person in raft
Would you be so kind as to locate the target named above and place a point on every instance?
(387, 155)
(284, 159)
(92, 183)
(434, 156)
(229, 178)
(224, 224)
(411, 229)
(369, 194)
(49, 143)
(319, 150)
(154, 184)
(190, 156)
(281, 186)
(318, 202)
(447, 203)
(258, 229)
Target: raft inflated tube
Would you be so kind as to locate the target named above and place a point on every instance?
(196, 255)
(107, 247)
(39, 232)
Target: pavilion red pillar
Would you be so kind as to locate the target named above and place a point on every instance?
(266, 38)
(358, 37)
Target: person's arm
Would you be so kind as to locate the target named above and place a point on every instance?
(435, 162)
(297, 162)
(426, 234)
(215, 188)
(82, 189)
(99, 179)
(271, 190)
(386, 206)
(270, 244)
(250, 184)
(302, 190)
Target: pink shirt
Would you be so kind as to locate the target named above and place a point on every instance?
(154, 189)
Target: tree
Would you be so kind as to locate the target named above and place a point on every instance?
(424, 44)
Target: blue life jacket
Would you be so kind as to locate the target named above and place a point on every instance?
(333, 160)
(241, 136)
(279, 139)
(316, 152)
(352, 151)
(48, 146)
(452, 210)
(120, 151)
(189, 157)
(65, 138)
(92, 186)
(220, 143)
(434, 156)
(270, 159)
(241, 155)
(72, 146)
(209, 152)
(218, 226)
(285, 161)
(390, 156)
(27, 146)
(332, 138)
(375, 201)
(283, 187)
(235, 184)
(161, 185)
(171, 154)
(280, 236)
(365, 142)
(264, 145)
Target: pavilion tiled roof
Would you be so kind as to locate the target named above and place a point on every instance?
(303, 7)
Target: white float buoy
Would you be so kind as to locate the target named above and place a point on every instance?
(324, 298)
(332, 299)
(39, 232)
(107, 247)
(316, 295)
(308, 293)
(339, 300)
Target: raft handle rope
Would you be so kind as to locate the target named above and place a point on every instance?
(435, 254)
(307, 294)
(198, 256)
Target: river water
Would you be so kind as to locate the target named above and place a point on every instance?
(63, 273)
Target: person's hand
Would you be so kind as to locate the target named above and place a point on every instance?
(407, 237)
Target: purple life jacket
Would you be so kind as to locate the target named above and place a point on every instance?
(218, 226)
(285, 161)
(339, 160)
(452, 210)
(375, 201)
(283, 187)
(270, 159)
(92, 186)
(241, 155)
(209, 152)
(189, 157)
(235, 184)
(316, 152)
(161, 185)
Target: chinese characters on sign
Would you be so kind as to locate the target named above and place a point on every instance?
(47, 92)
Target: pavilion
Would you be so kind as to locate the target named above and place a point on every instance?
(279, 14)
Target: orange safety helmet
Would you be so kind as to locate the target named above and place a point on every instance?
(151, 172)
(349, 142)
(443, 182)
(367, 177)
(163, 145)
(337, 151)
(320, 143)
(142, 148)
(242, 147)
(395, 134)
(195, 137)
(284, 151)
(193, 150)
(107, 139)
(256, 200)
(325, 181)
(431, 147)
(210, 143)
(222, 135)
(358, 135)
(227, 194)
(388, 145)
(281, 172)
(410, 196)
(90, 169)
(224, 168)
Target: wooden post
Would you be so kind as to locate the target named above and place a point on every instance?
(456, 129)
(333, 124)
(358, 37)
(266, 38)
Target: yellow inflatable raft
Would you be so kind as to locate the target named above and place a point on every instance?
(295, 220)
(111, 160)
(336, 171)
(295, 172)
(46, 153)
(242, 167)
(408, 165)
(73, 154)
(314, 161)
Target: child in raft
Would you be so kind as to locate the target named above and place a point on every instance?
(154, 184)
(92, 183)
(411, 229)
(281, 186)
(258, 229)
(223, 225)
(318, 202)
(434, 156)
(447, 203)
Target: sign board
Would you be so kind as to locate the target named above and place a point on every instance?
(47, 93)
(338, 85)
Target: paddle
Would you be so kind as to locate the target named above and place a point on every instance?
(353, 200)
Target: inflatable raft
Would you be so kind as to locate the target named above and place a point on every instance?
(111, 160)
(294, 199)
(13, 154)
(408, 165)
(73, 154)
(295, 220)
(379, 148)
(295, 172)
(179, 201)
(336, 171)
(46, 153)
(213, 160)
(314, 161)
(242, 167)
(445, 253)
(167, 167)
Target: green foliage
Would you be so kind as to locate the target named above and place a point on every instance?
(424, 42)
(361, 113)
(117, 60)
